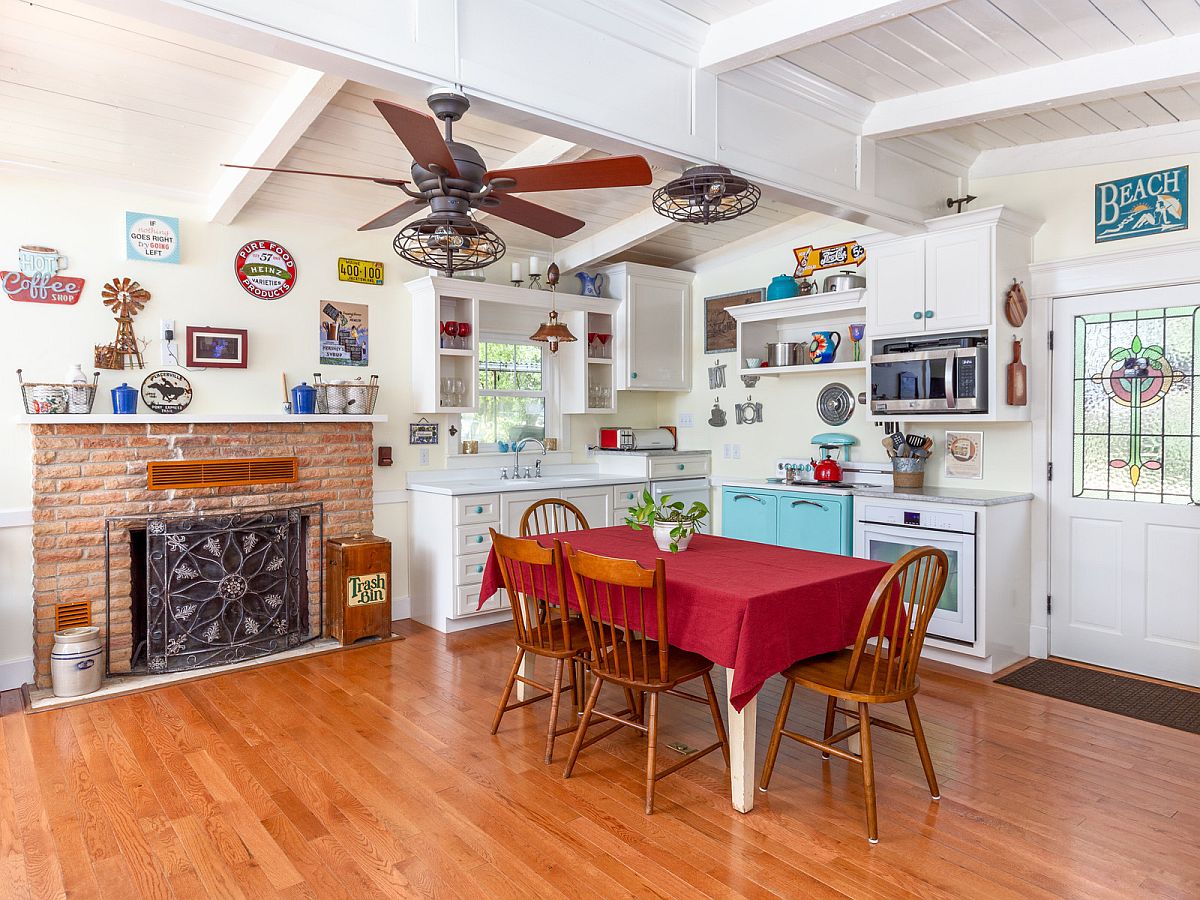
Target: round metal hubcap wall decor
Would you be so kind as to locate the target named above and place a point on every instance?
(165, 391)
(835, 404)
(706, 194)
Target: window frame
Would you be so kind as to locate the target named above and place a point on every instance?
(550, 387)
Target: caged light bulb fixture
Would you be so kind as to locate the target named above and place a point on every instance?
(706, 194)
(448, 239)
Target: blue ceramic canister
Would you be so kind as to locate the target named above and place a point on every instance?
(124, 400)
(782, 287)
(304, 399)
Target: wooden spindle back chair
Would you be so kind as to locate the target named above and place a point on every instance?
(621, 601)
(552, 515)
(535, 583)
(881, 668)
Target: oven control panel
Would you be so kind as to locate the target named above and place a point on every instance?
(924, 516)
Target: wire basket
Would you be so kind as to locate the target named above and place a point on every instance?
(56, 398)
(354, 398)
(908, 472)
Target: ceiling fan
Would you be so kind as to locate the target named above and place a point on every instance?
(451, 179)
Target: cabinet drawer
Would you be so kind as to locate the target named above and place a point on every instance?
(749, 515)
(466, 601)
(477, 508)
(678, 466)
(627, 495)
(472, 539)
(815, 522)
(469, 569)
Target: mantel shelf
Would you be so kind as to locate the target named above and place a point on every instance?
(185, 419)
(813, 369)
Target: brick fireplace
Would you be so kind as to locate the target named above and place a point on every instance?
(84, 474)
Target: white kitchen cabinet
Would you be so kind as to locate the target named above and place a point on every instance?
(513, 506)
(653, 336)
(896, 287)
(958, 279)
(596, 504)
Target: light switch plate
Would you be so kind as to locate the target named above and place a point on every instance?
(737, 451)
(687, 420)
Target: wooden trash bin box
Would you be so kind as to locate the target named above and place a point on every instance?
(358, 583)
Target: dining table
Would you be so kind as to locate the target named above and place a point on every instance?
(753, 609)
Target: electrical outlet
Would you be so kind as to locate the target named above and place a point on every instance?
(737, 451)
(423, 456)
(687, 420)
(170, 353)
(727, 451)
(167, 329)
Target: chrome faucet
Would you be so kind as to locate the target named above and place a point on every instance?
(517, 448)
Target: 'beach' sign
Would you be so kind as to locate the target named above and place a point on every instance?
(1153, 203)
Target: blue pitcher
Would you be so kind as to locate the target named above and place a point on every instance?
(824, 345)
(591, 285)
(304, 399)
(782, 287)
(124, 400)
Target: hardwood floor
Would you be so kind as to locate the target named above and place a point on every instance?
(371, 773)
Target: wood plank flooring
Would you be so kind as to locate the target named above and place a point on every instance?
(370, 773)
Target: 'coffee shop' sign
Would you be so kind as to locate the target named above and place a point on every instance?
(37, 279)
(1152, 203)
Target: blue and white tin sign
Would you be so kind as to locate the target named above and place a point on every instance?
(1153, 203)
(151, 238)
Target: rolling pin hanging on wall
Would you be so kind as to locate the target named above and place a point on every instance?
(1018, 389)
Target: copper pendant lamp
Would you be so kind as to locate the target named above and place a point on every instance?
(552, 331)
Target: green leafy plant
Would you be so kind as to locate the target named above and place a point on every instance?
(683, 522)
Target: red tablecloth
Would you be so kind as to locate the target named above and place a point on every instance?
(750, 607)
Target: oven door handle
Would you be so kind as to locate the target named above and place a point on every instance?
(951, 374)
(748, 497)
(796, 503)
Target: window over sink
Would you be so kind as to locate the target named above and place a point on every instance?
(516, 392)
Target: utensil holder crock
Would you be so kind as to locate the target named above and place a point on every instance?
(908, 472)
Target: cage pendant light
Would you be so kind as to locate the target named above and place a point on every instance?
(552, 331)
(706, 194)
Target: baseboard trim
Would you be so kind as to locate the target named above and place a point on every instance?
(20, 517)
(401, 608)
(16, 672)
(1039, 641)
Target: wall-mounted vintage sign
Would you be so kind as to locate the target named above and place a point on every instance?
(265, 270)
(37, 279)
(363, 590)
(151, 238)
(422, 431)
(165, 391)
(344, 334)
(1152, 203)
(836, 256)
(360, 271)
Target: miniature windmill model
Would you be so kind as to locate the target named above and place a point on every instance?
(125, 298)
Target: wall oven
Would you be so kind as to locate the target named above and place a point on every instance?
(885, 532)
(910, 378)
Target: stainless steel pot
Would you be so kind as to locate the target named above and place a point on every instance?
(786, 353)
(846, 280)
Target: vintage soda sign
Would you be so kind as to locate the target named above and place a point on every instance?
(363, 590)
(1152, 203)
(809, 259)
(265, 270)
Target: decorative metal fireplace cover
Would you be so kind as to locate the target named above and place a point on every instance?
(226, 587)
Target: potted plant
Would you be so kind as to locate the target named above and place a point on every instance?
(672, 525)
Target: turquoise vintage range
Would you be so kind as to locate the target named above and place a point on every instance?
(817, 520)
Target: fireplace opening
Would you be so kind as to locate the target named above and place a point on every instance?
(216, 588)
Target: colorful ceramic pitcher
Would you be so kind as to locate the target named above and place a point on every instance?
(824, 345)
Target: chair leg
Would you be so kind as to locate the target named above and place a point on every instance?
(651, 749)
(507, 692)
(777, 734)
(555, 694)
(572, 673)
(868, 771)
(830, 706)
(718, 722)
(581, 732)
(922, 747)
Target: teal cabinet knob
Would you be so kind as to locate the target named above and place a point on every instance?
(917, 314)
(633, 374)
(629, 496)
(682, 467)
(479, 538)
(929, 313)
(479, 510)
(479, 568)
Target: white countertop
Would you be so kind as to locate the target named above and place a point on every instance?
(604, 451)
(938, 494)
(468, 482)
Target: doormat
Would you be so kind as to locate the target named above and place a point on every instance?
(1132, 697)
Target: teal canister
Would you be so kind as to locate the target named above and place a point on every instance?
(782, 287)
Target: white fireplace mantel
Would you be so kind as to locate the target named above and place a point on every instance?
(185, 418)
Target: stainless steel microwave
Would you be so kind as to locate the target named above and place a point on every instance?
(930, 380)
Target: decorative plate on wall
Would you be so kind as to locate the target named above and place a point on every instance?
(165, 391)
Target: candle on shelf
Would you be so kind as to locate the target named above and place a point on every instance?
(516, 271)
(535, 266)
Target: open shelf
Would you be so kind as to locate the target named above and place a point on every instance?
(599, 361)
(812, 368)
(449, 351)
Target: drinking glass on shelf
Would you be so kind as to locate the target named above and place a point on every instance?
(459, 391)
(464, 332)
(592, 346)
(445, 384)
(604, 349)
(452, 334)
(605, 398)
(442, 341)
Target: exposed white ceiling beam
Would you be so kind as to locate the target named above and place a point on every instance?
(783, 26)
(302, 99)
(1140, 67)
(634, 229)
(755, 243)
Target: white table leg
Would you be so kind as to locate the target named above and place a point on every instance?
(742, 734)
(524, 690)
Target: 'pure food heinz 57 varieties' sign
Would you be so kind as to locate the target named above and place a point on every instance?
(1153, 203)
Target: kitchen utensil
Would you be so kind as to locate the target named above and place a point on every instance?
(915, 440)
(827, 470)
(1017, 377)
(889, 447)
(835, 404)
(1016, 305)
(846, 280)
(824, 345)
(782, 287)
(753, 362)
(784, 353)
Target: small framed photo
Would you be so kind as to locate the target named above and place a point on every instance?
(423, 432)
(964, 454)
(216, 348)
(720, 330)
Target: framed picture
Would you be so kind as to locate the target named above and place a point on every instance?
(964, 454)
(423, 432)
(343, 334)
(720, 330)
(216, 348)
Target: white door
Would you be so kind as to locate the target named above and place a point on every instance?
(896, 287)
(658, 334)
(1125, 526)
(958, 279)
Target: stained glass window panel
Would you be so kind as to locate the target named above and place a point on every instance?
(1136, 408)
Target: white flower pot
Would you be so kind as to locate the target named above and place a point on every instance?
(662, 537)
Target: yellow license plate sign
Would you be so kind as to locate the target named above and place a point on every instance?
(363, 590)
(360, 271)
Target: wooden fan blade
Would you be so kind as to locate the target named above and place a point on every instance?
(393, 216)
(531, 215)
(612, 171)
(388, 181)
(420, 135)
